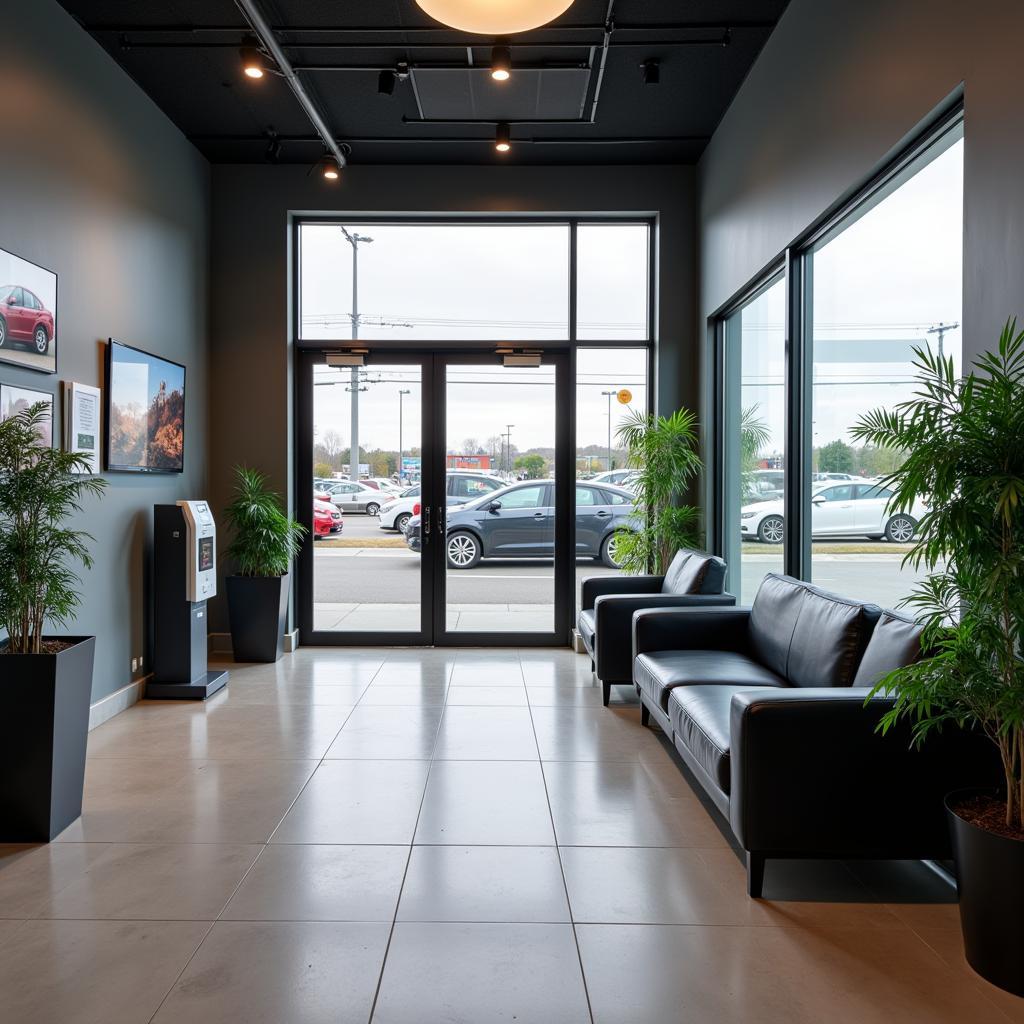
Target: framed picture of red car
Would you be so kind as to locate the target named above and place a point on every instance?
(28, 314)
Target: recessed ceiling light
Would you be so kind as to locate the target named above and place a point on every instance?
(494, 17)
(252, 59)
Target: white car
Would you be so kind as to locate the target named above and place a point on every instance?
(612, 476)
(461, 486)
(382, 483)
(352, 497)
(395, 513)
(837, 510)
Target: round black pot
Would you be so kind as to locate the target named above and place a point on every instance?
(990, 883)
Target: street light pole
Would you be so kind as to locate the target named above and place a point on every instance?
(609, 395)
(354, 239)
(401, 393)
(941, 332)
(508, 448)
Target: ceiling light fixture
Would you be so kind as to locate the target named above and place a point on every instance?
(503, 138)
(494, 17)
(386, 82)
(252, 58)
(650, 71)
(501, 63)
(330, 168)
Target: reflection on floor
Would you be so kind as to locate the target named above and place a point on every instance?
(462, 618)
(426, 836)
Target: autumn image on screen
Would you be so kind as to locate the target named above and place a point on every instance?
(147, 412)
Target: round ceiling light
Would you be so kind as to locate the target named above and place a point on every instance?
(494, 17)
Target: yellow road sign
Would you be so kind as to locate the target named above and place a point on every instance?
(625, 396)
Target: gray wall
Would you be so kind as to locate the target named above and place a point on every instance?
(837, 89)
(97, 185)
(251, 357)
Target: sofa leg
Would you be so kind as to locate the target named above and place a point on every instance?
(607, 688)
(755, 874)
(645, 713)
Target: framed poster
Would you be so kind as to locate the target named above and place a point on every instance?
(145, 412)
(15, 399)
(28, 314)
(82, 422)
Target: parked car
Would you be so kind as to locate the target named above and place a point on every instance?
(381, 483)
(24, 319)
(825, 477)
(460, 487)
(352, 497)
(612, 476)
(837, 510)
(519, 522)
(327, 519)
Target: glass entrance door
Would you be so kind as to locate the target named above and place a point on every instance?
(363, 451)
(501, 573)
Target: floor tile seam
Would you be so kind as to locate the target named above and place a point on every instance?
(561, 866)
(181, 973)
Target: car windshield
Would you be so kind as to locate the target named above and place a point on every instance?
(411, 492)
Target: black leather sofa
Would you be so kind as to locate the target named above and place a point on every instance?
(605, 622)
(766, 706)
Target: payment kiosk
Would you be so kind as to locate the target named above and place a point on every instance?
(184, 579)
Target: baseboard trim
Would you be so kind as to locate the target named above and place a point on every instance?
(291, 642)
(114, 703)
(218, 643)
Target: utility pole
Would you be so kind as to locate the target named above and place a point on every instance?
(402, 392)
(508, 448)
(609, 396)
(353, 459)
(941, 332)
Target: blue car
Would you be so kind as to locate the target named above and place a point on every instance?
(519, 522)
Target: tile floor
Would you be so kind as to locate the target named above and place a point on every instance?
(416, 837)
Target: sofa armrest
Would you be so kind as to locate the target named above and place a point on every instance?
(599, 586)
(810, 774)
(702, 629)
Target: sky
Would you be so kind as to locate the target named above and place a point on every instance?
(504, 282)
(889, 276)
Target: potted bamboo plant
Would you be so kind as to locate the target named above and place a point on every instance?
(265, 540)
(963, 439)
(664, 452)
(45, 678)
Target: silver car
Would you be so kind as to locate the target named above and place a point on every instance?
(352, 497)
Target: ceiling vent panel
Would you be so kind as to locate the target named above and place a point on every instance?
(471, 94)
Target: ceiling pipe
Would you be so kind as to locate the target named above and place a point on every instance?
(264, 33)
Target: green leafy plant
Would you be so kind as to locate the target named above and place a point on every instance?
(40, 489)
(663, 451)
(265, 539)
(964, 444)
(754, 435)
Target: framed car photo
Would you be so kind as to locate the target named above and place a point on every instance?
(28, 314)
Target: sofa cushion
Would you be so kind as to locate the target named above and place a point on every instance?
(895, 641)
(587, 627)
(677, 579)
(694, 572)
(659, 672)
(773, 618)
(829, 638)
(700, 720)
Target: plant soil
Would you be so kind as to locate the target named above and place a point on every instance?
(46, 647)
(988, 813)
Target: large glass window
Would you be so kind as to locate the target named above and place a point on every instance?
(755, 367)
(885, 281)
(612, 276)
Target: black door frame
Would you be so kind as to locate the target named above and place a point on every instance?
(433, 577)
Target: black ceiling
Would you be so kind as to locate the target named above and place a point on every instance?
(184, 53)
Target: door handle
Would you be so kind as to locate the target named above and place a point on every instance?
(539, 515)
(442, 519)
(602, 515)
(426, 524)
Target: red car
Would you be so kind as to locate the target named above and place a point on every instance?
(327, 519)
(24, 319)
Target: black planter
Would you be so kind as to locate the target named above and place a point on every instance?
(258, 609)
(44, 727)
(990, 883)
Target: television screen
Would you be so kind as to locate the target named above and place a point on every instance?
(145, 412)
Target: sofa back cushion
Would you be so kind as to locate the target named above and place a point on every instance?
(829, 639)
(773, 618)
(694, 572)
(895, 642)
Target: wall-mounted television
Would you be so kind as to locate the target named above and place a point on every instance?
(145, 412)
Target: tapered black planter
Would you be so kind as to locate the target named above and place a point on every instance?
(44, 727)
(990, 883)
(258, 609)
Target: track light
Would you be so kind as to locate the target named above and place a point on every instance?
(273, 153)
(503, 138)
(386, 81)
(650, 71)
(501, 63)
(252, 59)
(330, 168)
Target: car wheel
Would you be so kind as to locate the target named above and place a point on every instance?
(372, 509)
(402, 521)
(900, 529)
(770, 531)
(41, 340)
(463, 550)
(3, 331)
(610, 553)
